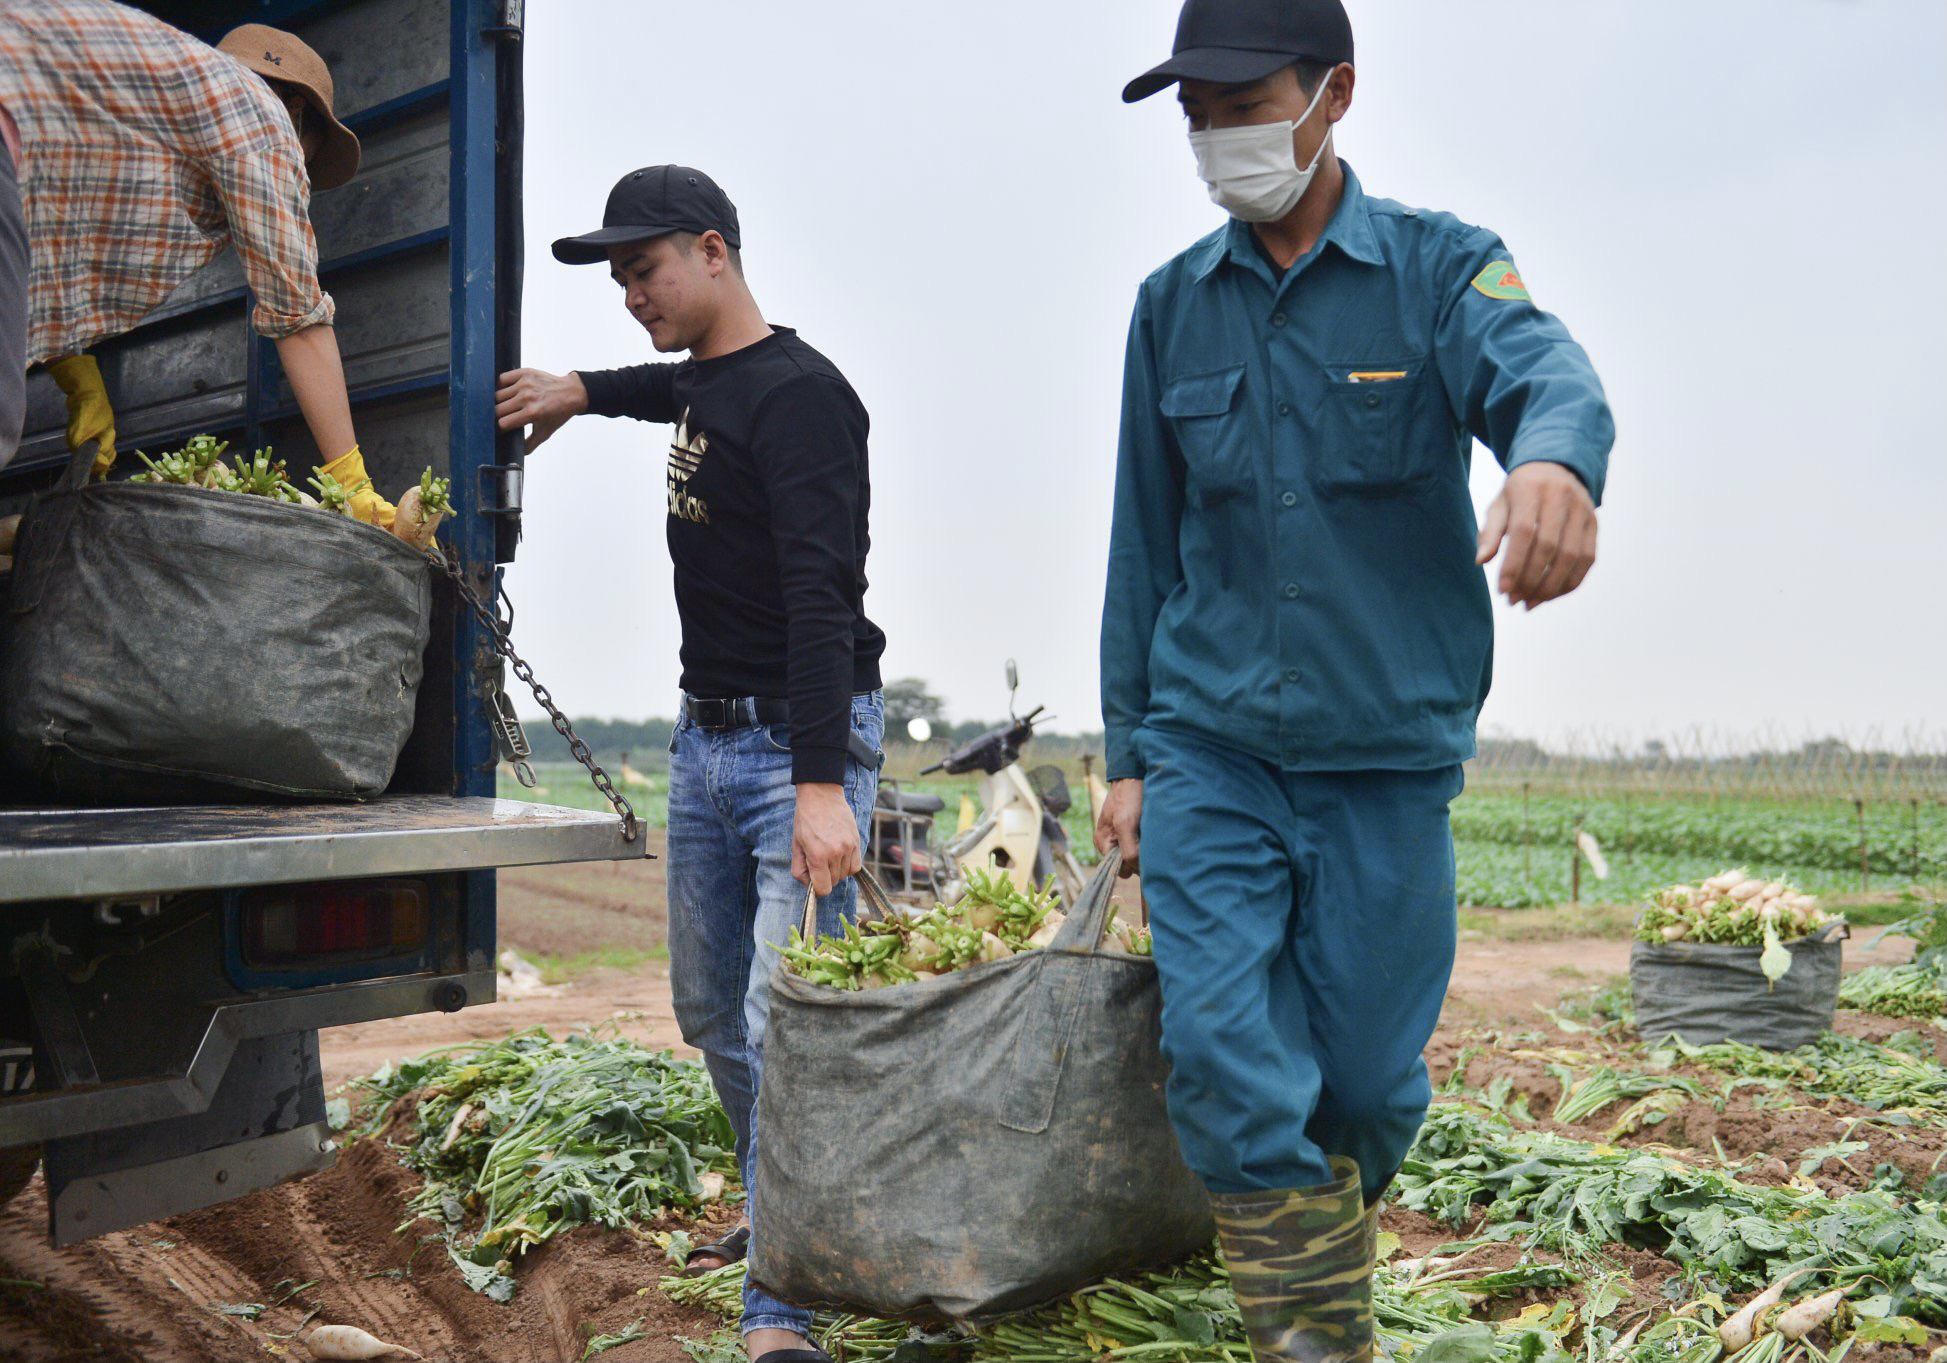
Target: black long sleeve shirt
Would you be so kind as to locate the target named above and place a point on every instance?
(769, 493)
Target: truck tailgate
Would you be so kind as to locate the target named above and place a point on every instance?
(96, 853)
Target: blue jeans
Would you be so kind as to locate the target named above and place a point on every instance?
(732, 902)
(1304, 926)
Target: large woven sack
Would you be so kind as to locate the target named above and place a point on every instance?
(1707, 992)
(975, 1144)
(163, 641)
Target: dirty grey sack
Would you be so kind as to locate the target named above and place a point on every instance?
(975, 1144)
(1708, 992)
(163, 637)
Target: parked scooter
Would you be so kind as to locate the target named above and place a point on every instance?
(902, 853)
(1019, 829)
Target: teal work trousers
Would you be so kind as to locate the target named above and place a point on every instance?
(1304, 930)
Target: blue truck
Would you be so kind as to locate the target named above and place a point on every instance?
(164, 971)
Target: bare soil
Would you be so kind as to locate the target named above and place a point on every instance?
(334, 1243)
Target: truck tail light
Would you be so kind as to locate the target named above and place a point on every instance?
(287, 925)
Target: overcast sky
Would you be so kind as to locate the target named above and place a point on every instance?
(1737, 207)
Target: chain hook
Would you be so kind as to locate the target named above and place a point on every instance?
(503, 645)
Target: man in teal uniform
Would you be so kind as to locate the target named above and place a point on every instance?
(1296, 640)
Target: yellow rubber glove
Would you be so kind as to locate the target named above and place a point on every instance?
(89, 415)
(366, 505)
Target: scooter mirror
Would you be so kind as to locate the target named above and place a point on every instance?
(1013, 676)
(918, 730)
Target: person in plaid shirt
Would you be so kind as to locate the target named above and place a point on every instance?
(133, 154)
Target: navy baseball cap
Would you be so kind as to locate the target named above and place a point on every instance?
(1234, 42)
(653, 202)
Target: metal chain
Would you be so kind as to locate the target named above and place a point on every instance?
(503, 645)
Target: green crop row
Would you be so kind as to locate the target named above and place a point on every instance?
(1498, 875)
(1901, 840)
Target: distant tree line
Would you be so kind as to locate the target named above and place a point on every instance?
(645, 742)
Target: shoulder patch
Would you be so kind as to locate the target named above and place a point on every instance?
(1499, 280)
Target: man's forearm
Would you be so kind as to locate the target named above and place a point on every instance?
(317, 376)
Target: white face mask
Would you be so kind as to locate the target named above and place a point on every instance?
(1253, 171)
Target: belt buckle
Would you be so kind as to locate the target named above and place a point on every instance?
(712, 714)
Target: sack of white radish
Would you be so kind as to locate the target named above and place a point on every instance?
(200, 631)
(1735, 958)
(992, 922)
(951, 1127)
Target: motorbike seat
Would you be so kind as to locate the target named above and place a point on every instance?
(910, 802)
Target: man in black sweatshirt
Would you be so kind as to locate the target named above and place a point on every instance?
(774, 763)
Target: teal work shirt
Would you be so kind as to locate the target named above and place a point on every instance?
(1291, 568)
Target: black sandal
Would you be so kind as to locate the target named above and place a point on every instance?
(810, 1355)
(732, 1248)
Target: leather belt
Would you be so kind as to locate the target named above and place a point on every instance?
(744, 712)
(740, 712)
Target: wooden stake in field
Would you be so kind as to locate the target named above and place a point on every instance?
(1527, 840)
(1865, 870)
(1913, 858)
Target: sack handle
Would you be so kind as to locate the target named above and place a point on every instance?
(53, 511)
(80, 464)
(1088, 920)
(869, 887)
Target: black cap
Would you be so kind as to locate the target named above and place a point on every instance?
(1234, 42)
(653, 202)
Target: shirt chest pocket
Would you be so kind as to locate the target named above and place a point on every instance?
(1205, 414)
(1371, 440)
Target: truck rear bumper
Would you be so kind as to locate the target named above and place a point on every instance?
(30, 1118)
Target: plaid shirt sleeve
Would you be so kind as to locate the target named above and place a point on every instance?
(266, 197)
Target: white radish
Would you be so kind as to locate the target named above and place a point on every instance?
(984, 916)
(920, 954)
(1776, 888)
(1676, 932)
(993, 948)
(1625, 1342)
(1740, 1329)
(350, 1342)
(412, 523)
(1745, 889)
(1044, 936)
(453, 1128)
(420, 508)
(1798, 1321)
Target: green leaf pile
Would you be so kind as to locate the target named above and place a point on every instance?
(521, 1139)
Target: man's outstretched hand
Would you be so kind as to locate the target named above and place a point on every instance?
(1548, 520)
(536, 398)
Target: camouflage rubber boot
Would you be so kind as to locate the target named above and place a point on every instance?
(1301, 1264)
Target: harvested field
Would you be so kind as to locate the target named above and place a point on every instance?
(340, 1247)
